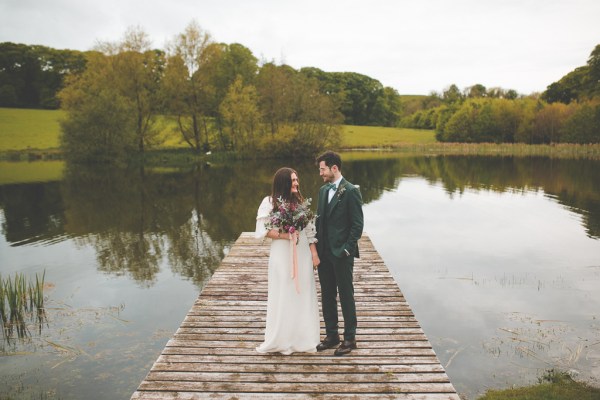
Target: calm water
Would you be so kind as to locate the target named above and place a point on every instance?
(498, 257)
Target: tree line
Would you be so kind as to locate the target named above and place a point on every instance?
(567, 112)
(31, 76)
(219, 96)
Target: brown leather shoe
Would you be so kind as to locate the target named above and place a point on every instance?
(346, 347)
(328, 343)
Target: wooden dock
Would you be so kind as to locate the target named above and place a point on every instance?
(212, 354)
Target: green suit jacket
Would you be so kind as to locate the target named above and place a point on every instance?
(344, 220)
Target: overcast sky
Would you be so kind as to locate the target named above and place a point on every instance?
(415, 46)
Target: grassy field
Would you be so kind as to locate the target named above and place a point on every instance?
(29, 129)
(354, 137)
(22, 130)
(39, 129)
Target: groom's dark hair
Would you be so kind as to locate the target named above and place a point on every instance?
(331, 158)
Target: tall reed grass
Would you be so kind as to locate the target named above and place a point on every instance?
(21, 301)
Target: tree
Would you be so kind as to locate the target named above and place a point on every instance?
(137, 71)
(99, 126)
(127, 72)
(387, 109)
(594, 72)
(580, 84)
(275, 94)
(361, 99)
(187, 88)
(31, 75)
(299, 119)
(235, 61)
(475, 91)
(241, 115)
(549, 121)
(583, 126)
(452, 95)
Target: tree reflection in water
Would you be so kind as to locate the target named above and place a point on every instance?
(135, 219)
(138, 218)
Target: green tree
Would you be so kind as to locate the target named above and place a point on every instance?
(136, 74)
(580, 84)
(275, 94)
(583, 126)
(99, 126)
(388, 108)
(459, 127)
(299, 119)
(241, 116)
(452, 95)
(594, 72)
(475, 91)
(362, 100)
(31, 75)
(188, 89)
(549, 122)
(127, 72)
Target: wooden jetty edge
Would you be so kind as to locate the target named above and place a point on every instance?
(212, 354)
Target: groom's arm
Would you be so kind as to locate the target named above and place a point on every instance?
(318, 216)
(355, 213)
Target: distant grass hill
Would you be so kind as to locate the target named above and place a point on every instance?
(27, 129)
(377, 137)
(23, 129)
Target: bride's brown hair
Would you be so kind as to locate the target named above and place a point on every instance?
(282, 187)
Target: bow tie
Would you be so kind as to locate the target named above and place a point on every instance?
(331, 186)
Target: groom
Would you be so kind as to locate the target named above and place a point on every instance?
(339, 226)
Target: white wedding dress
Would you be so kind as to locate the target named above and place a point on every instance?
(292, 318)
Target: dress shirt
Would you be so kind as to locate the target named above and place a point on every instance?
(333, 190)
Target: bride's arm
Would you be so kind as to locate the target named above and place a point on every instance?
(275, 234)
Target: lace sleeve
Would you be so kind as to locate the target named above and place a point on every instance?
(262, 216)
(311, 232)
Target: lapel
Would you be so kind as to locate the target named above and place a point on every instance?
(322, 206)
(336, 196)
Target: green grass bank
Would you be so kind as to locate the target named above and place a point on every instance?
(33, 134)
(552, 386)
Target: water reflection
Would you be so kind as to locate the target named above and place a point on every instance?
(573, 183)
(122, 225)
(134, 218)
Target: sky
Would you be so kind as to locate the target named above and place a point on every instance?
(413, 46)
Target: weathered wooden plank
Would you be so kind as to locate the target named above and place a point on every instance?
(365, 319)
(363, 340)
(297, 368)
(244, 351)
(301, 358)
(201, 311)
(337, 377)
(212, 354)
(168, 395)
(305, 387)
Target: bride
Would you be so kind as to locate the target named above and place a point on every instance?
(292, 310)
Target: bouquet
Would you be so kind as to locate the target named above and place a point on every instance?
(290, 217)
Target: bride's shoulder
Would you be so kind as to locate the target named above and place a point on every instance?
(266, 202)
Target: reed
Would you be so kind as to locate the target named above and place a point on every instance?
(21, 300)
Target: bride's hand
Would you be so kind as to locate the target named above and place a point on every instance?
(316, 261)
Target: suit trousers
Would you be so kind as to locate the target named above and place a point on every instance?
(335, 275)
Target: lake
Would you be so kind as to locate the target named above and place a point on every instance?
(499, 258)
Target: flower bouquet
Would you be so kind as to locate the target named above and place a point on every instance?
(290, 217)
